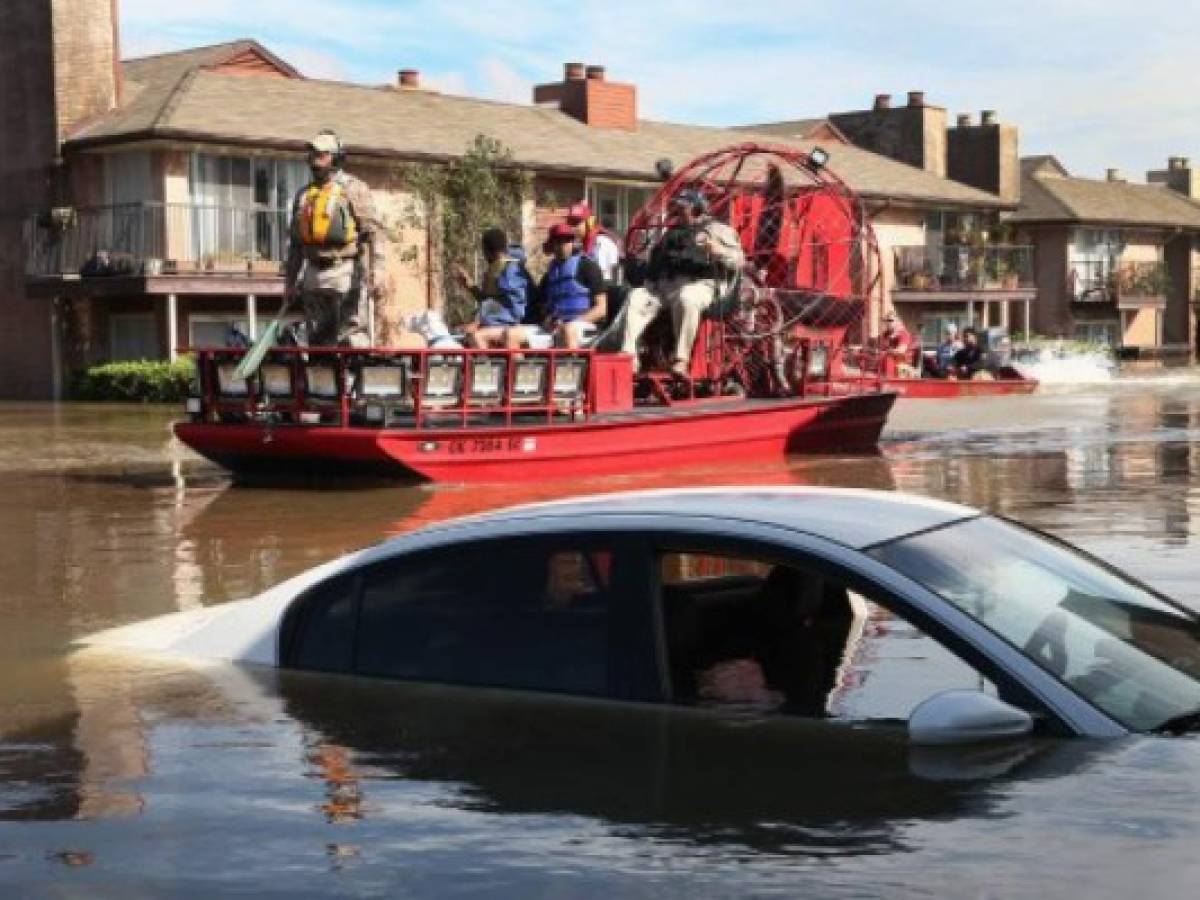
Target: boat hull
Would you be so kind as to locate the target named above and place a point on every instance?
(720, 431)
(945, 388)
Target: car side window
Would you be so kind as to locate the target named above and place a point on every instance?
(742, 630)
(318, 633)
(525, 614)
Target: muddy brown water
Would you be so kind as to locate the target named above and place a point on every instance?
(121, 776)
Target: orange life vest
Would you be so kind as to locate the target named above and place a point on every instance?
(323, 218)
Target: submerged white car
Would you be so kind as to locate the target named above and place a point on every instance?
(842, 605)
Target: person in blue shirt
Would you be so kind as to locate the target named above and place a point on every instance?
(503, 294)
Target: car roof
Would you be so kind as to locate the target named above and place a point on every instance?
(853, 517)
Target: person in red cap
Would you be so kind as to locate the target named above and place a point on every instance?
(595, 241)
(572, 291)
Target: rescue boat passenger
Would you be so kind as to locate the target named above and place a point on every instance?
(335, 258)
(968, 361)
(504, 293)
(572, 292)
(688, 269)
(595, 241)
(950, 345)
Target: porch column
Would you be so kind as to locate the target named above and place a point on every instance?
(971, 312)
(252, 316)
(1028, 331)
(56, 363)
(1004, 314)
(172, 327)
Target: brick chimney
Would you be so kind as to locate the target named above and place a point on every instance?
(408, 79)
(985, 156)
(1114, 175)
(585, 93)
(1178, 176)
(914, 133)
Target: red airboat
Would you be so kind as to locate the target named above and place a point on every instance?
(770, 372)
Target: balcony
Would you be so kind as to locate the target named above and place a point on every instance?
(155, 241)
(1124, 285)
(934, 272)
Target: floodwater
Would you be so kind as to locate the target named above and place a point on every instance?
(121, 777)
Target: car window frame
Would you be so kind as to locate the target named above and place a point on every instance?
(560, 540)
(1007, 685)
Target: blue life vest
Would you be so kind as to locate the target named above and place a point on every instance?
(510, 292)
(566, 297)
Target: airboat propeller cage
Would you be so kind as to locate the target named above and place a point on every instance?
(805, 233)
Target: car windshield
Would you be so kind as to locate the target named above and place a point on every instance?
(1129, 653)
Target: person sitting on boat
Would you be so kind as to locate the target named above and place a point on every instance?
(503, 294)
(689, 268)
(595, 241)
(968, 361)
(940, 363)
(572, 296)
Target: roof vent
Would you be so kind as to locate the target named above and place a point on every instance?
(409, 79)
(916, 98)
(988, 117)
(964, 120)
(595, 73)
(1113, 175)
(883, 101)
(574, 71)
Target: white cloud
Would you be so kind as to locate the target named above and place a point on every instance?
(1098, 83)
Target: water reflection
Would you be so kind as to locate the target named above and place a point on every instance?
(109, 522)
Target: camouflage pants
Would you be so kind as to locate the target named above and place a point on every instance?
(335, 317)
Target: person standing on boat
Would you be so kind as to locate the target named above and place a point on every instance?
(504, 293)
(688, 270)
(896, 344)
(335, 258)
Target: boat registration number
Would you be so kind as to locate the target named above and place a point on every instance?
(494, 445)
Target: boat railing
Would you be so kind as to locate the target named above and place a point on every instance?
(395, 388)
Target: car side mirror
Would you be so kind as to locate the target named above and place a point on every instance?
(966, 717)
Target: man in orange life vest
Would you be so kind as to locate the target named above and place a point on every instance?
(335, 258)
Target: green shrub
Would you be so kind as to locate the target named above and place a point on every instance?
(143, 381)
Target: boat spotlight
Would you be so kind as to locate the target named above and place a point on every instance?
(487, 379)
(320, 382)
(381, 381)
(228, 383)
(443, 379)
(818, 360)
(529, 380)
(818, 157)
(569, 374)
(276, 379)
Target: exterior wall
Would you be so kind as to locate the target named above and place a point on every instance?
(58, 67)
(1142, 246)
(1140, 327)
(1052, 309)
(1179, 327)
(895, 228)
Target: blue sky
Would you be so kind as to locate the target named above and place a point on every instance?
(1097, 83)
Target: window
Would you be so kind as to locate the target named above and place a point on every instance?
(241, 206)
(933, 324)
(1105, 333)
(615, 205)
(215, 331)
(133, 336)
(743, 630)
(571, 617)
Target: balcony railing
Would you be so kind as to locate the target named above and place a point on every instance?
(155, 238)
(964, 268)
(1113, 281)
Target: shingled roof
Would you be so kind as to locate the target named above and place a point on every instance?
(1049, 194)
(179, 101)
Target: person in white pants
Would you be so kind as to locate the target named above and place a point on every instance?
(688, 270)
